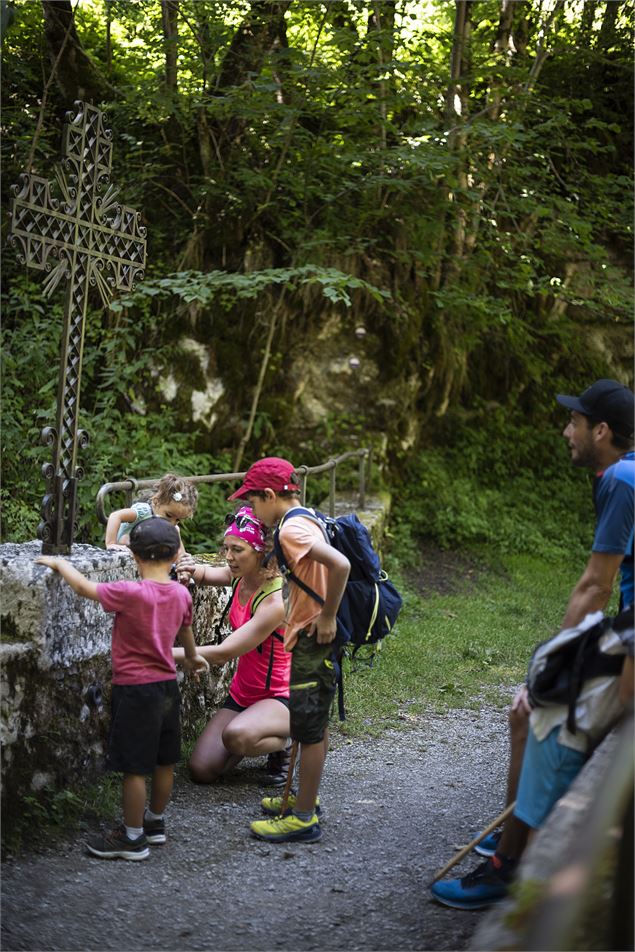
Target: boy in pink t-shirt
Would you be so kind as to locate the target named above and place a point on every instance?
(145, 736)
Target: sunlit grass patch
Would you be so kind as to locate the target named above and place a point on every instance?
(458, 650)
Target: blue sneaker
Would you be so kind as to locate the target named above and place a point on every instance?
(489, 844)
(480, 888)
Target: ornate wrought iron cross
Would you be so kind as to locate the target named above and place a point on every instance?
(91, 240)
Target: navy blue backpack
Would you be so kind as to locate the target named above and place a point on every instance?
(370, 603)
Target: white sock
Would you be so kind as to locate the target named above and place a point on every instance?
(149, 815)
(134, 832)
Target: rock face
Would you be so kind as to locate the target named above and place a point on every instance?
(55, 654)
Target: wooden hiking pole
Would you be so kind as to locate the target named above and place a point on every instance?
(287, 786)
(470, 846)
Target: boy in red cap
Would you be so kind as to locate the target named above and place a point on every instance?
(272, 491)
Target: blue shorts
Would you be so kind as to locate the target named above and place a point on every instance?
(548, 770)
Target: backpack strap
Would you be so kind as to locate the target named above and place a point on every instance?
(283, 565)
(337, 652)
(219, 625)
(269, 588)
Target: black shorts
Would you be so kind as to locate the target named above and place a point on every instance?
(313, 684)
(231, 705)
(145, 728)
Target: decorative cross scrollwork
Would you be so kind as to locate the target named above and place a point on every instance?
(90, 240)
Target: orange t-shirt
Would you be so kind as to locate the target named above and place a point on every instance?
(297, 537)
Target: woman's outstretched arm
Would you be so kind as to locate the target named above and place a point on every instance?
(268, 616)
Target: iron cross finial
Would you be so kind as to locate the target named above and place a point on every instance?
(90, 240)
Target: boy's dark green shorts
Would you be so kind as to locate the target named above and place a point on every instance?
(313, 683)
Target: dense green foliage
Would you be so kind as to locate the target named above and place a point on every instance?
(455, 177)
(507, 487)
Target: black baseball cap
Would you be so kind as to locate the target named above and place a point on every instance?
(155, 539)
(605, 401)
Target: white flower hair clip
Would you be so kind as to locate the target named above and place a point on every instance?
(177, 497)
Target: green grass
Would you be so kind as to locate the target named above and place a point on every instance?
(461, 649)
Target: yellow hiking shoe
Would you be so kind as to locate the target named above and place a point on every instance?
(271, 805)
(281, 829)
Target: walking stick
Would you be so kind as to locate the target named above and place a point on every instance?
(470, 846)
(287, 786)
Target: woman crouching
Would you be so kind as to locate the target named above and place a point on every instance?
(254, 719)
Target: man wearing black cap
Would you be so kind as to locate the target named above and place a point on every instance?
(600, 437)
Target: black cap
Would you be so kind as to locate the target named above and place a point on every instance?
(605, 401)
(155, 539)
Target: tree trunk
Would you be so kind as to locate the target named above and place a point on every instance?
(606, 36)
(522, 11)
(170, 20)
(251, 42)
(381, 24)
(261, 30)
(77, 76)
(457, 105)
(585, 31)
(452, 112)
(502, 43)
(108, 37)
(453, 108)
(542, 48)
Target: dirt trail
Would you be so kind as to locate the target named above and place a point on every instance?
(394, 810)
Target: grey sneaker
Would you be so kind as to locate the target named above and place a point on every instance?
(154, 830)
(278, 766)
(117, 845)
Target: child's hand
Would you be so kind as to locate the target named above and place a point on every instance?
(185, 564)
(325, 629)
(50, 561)
(195, 666)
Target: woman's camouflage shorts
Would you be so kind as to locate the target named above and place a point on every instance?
(313, 683)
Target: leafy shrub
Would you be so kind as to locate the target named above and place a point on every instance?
(480, 491)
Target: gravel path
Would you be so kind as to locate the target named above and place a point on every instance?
(394, 807)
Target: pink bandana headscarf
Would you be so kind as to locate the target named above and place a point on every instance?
(246, 527)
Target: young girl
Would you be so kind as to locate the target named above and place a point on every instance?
(254, 719)
(174, 499)
(145, 734)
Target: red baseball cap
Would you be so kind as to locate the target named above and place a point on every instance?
(272, 472)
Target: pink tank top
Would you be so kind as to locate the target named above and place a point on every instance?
(264, 671)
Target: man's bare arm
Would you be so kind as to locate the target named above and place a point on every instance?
(594, 587)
